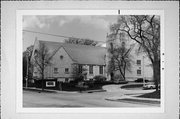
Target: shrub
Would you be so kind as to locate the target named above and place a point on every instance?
(99, 78)
(77, 79)
(118, 77)
(141, 80)
(90, 83)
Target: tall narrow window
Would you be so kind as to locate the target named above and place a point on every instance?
(90, 69)
(80, 68)
(138, 72)
(100, 69)
(138, 62)
(55, 70)
(66, 80)
(67, 70)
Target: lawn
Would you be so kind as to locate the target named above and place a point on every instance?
(155, 94)
(89, 85)
(130, 86)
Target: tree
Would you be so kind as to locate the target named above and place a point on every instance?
(85, 41)
(41, 60)
(120, 58)
(78, 72)
(144, 30)
(27, 65)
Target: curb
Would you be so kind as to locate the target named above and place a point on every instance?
(92, 91)
(47, 90)
(57, 91)
(134, 99)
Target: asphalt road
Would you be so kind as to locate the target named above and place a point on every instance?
(95, 99)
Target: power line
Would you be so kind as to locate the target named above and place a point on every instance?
(53, 34)
(47, 34)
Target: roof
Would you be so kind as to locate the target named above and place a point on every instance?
(81, 54)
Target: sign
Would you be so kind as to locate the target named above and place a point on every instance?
(50, 83)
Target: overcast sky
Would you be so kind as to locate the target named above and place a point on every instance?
(82, 26)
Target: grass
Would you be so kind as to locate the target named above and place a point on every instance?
(132, 86)
(69, 87)
(140, 101)
(155, 95)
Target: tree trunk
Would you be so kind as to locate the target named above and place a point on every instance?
(156, 73)
(123, 75)
(112, 76)
(122, 72)
(42, 82)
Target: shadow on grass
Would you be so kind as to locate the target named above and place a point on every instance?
(140, 101)
(131, 86)
(155, 94)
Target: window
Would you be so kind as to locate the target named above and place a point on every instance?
(67, 70)
(100, 69)
(91, 69)
(80, 68)
(55, 70)
(138, 72)
(66, 80)
(61, 57)
(138, 62)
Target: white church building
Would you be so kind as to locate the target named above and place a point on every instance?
(67, 56)
(92, 58)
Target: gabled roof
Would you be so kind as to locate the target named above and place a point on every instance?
(81, 54)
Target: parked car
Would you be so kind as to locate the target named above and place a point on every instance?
(149, 86)
(159, 86)
(141, 80)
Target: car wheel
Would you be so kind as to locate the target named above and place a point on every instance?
(151, 87)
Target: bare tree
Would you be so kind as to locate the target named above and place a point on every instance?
(120, 58)
(41, 60)
(145, 30)
(27, 65)
(85, 41)
(78, 72)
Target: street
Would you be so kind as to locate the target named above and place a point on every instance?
(75, 99)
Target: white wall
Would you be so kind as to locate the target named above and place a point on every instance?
(61, 64)
(145, 67)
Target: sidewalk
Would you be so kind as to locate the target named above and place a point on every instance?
(134, 99)
(130, 95)
(48, 90)
(58, 91)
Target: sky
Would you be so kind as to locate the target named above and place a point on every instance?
(94, 27)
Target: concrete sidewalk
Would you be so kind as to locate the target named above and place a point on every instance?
(135, 100)
(132, 97)
(48, 90)
(129, 95)
(58, 91)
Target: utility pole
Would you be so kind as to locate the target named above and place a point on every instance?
(27, 56)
